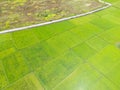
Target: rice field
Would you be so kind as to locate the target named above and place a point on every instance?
(77, 54)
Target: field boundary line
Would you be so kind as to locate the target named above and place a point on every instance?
(59, 20)
(77, 68)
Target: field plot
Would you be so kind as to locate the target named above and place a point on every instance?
(15, 67)
(77, 54)
(3, 78)
(18, 13)
(29, 82)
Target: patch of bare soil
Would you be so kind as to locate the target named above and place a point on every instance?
(19, 13)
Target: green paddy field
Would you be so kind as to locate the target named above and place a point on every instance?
(77, 54)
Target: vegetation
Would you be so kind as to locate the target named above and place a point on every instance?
(77, 54)
(17, 13)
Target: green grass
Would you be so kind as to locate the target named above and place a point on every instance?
(7, 48)
(84, 51)
(5, 37)
(112, 36)
(77, 54)
(15, 67)
(102, 23)
(59, 68)
(109, 55)
(29, 82)
(76, 80)
(3, 78)
(21, 39)
(97, 43)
